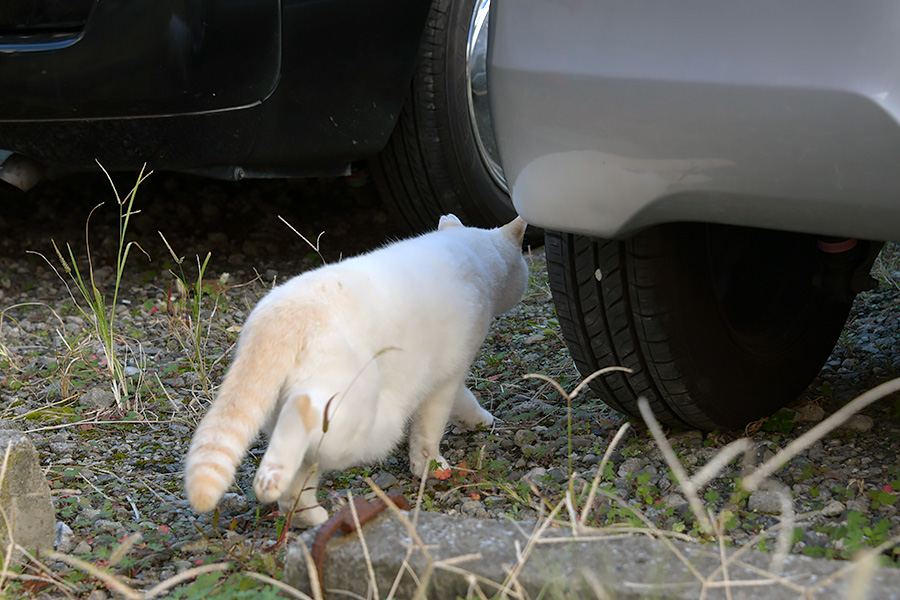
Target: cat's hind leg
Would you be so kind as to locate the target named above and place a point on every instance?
(288, 444)
(427, 429)
(467, 412)
(301, 498)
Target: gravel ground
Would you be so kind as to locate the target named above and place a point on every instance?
(117, 470)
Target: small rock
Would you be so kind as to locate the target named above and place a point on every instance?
(833, 508)
(233, 503)
(765, 501)
(859, 423)
(474, 508)
(632, 465)
(97, 399)
(815, 539)
(694, 437)
(582, 442)
(97, 595)
(533, 339)
(109, 526)
(535, 474)
(82, 548)
(384, 480)
(523, 437)
(528, 405)
(64, 538)
(178, 429)
(861, 504)
(809, 413)
(674, 501)
(183, 565)
(131, 371)
(558, 475)
(91, 514)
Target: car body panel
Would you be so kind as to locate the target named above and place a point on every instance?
(615, 116)
(330, 95)
(144, 58)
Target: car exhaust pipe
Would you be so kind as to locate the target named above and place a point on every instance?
(20, 171)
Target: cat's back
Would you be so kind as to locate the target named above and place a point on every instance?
(437, 269)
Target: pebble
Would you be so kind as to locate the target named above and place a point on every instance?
(582, 442)
(233, 503)
(632, 465)
(65, 538)
(523, 437)
(674, 501)
(535, 474)
(474, 508)
(859, 423)
(809, 413)
(109, 526)
(82, 548)
(765, 501)
(833, 508)
(97, 399)
(384, 480)
(558, 475)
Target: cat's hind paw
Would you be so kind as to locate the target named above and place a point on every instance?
(484, 420)
(420, 463)
(270, 483)
(309, 517)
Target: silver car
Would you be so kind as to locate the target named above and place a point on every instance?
(715, 177)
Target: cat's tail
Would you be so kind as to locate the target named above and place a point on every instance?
(244, 403)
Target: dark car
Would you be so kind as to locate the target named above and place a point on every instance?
(234, 89)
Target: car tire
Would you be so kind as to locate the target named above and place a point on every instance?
(720, 325)
(431, 165)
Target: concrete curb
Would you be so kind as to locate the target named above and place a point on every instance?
(24, 496)
(621, 567)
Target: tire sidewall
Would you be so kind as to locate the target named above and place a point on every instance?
(728, 384)
(478, 193)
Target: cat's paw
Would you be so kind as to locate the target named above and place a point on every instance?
(270, 483)
(422, 461)
(473, 420)
(309, 517)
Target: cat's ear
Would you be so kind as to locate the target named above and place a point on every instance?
(515, 230)
(449, 220)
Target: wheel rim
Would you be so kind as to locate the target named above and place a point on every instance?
(755, 296)
(477, 92)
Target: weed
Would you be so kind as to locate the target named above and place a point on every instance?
(94, 307)
(186, 307)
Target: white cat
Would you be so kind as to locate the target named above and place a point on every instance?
(335, 362)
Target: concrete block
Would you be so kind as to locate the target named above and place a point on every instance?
(25, 506)
(470, 552)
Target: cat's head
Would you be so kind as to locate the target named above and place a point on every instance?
(511, 269)
(513, 288)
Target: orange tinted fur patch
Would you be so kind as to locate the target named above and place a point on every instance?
(306, 411)
(214, 448)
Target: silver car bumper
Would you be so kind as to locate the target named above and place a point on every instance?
(615, 116)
